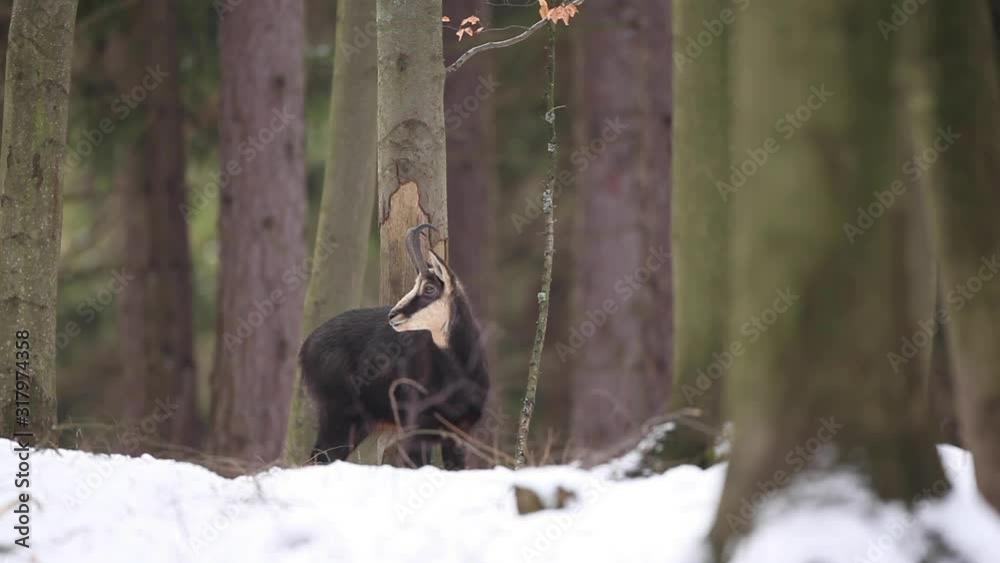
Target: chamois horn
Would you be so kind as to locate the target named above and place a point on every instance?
(413, 247)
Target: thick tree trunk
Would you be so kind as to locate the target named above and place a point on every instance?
(820, 381)
(348, 196)
(623, 265)
(702, 358)
(411, 135)
(959, 125)
(472, 179)
(156, 320)
(262, 269)
(36, 103)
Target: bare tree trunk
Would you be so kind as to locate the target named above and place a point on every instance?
(702, 96)
(820, 381)
(959, 126)
(156, 307)
(621, 345)
(472, 177)
(262, 269)
(348, 196)
(36, 103)
(411, 135)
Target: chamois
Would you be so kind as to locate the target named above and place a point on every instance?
(350, 363)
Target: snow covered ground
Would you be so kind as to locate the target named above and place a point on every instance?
(99, 509)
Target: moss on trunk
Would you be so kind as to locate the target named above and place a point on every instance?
(957, 116)
(348, 196)
(36, 102)
(815, 130)
(700, 245)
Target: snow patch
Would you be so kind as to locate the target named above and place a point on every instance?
(89, 508)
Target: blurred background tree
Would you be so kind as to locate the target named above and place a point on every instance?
(156, 339)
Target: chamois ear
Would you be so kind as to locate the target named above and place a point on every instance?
(439, 268)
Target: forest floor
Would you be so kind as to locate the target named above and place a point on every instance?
(87, 508)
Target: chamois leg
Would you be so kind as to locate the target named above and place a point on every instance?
(453, 455)
(339, 434)
(420, 449)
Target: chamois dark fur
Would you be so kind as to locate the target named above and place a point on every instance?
(349, 365)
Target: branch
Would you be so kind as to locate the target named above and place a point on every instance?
(544, 296)
(504, 43)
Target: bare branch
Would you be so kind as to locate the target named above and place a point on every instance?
(504, 43)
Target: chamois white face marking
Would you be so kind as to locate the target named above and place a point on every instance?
(428, 305)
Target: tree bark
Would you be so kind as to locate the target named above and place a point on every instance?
(702, 359)
(262, 248)
(820, 378)
(156, 307)
(348, 196)
(623, 266)
(412, 168)
(36, 103)
(960, 123)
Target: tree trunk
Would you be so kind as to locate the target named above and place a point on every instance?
(700, 234)
(262, 249)
(959, 125)
(156, 319)
(621, 345)
(411, 135)
(348, 196)
(821, 380)
(472, 178)
(36, 103)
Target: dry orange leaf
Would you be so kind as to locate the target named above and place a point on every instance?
(445, 19)
(463, 31)
(470, 19)
(562, 13)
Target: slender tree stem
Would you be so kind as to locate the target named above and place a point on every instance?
(548, 205)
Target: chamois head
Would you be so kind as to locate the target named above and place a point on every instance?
(428, 306)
